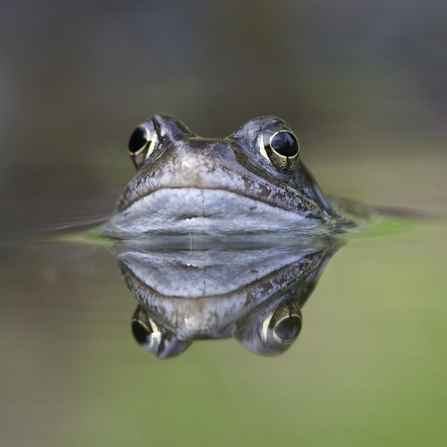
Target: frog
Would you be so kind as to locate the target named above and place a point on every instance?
(250, 182)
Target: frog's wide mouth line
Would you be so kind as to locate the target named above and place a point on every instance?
(204, 202)
(183, 210)
(293, 203)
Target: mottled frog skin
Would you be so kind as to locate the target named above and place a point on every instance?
(252, 181)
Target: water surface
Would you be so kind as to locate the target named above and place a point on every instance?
(368, 367)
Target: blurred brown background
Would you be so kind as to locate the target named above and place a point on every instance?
(356, 81)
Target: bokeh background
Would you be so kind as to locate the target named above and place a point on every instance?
(363, 85)
(354, 79)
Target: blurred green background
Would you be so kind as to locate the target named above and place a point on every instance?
(363, 86)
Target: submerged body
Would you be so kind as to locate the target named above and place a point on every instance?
(250, 182)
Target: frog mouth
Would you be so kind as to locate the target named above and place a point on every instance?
(199, 210)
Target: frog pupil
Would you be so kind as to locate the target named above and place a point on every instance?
(140, 332)
(288, 328)
(138, 139)
(285, 144)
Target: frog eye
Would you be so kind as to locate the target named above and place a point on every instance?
(285, 324)
(138, 140)
(142, 143)
(280, 148)
(145, 330)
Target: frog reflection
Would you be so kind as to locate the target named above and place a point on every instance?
(214, 291)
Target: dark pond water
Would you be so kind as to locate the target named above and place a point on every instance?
(363, 86)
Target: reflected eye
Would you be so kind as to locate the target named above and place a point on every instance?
(285, 323)
(281, 149)
(141, 331)
(142, 143)
(287, 329)
(145, 330)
